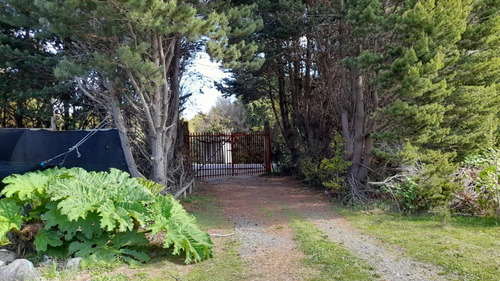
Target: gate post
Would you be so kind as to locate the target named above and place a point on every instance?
(268, 151)
(232, 153)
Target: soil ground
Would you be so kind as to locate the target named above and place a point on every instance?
(260, 208)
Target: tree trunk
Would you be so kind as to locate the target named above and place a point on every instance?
(18, 117)
(158, 156)
(285, 118)
(174, 103)
(122, 133)
(358, 140)
(165, 111)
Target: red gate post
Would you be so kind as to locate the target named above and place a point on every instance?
(268, 152)
(232, 154)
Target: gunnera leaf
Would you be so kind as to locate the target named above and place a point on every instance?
(115, 217)
(117, 198)
(46, 238)
(109, 247)
(154, 187)
(29, 186)
(132, 256)
(129, 238)
(9, 218)
(53, 218)
(180, 228)
(86, 248)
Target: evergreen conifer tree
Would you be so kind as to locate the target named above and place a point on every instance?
(476, 79)
(28, 56)
(128, 56)
(443, 90)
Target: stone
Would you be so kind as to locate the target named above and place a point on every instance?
(74, 263)
(21, 270)
(2, 264)
(47, 260)
(7, 256)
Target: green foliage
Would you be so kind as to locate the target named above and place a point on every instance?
(97, 215)
(9, 219)
(488, 183)
(224, 116)
(333, 170)
(444, 214)
(154, 187)
(328, 173)
(308, 170)
(442, 76)
(182, 232)
(259, 113)
(236, 49)
(430, 178)
(474, 161)
(29, 92)
(405, 193)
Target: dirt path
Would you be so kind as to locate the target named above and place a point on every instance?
(259, 208)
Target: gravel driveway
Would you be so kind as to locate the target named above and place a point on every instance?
(260, 207)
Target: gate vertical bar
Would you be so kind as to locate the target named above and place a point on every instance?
(196, 145)
(209, 154)
(255, 165)
(202, 154)
(257, 147)
(197, 153)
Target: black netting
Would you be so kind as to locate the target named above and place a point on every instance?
(9, 168)
(23, 150)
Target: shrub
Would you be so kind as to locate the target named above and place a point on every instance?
(96, 215)
(480, 174)
(308, 171)
(406, 195)
(488, 183)
(425, 181)
(333, 170)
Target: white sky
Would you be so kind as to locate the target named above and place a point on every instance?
(199, 79)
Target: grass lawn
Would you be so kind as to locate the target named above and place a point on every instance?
(331, 260)
(226, 264)
(466, 246)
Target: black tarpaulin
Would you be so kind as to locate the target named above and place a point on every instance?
(26, 149)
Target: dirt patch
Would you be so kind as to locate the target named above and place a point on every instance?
(260, 207)
(255, 206)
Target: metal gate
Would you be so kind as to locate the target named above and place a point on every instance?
(223, 155)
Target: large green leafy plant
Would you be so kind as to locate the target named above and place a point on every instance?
(96, 215)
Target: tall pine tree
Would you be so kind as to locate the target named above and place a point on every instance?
(28, 56)
(444, 91)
